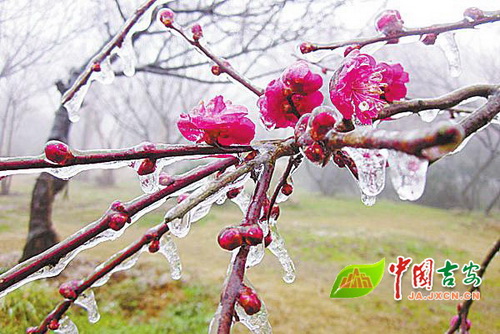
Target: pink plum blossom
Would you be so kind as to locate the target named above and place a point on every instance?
(361, 87)
(217, 122)
(389, 22)
(289, 97)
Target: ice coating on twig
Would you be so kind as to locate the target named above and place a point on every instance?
(180, 226)
(127, 56)
(213, 328)
(66, 326)
(257, 323)
(446, 42)
(87, 301)
(277, 248)
(255, 255)
(428, 115)
(73, 106)
(125, 265)
(169, 250)
(408, 174)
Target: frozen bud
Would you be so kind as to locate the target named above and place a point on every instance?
(96, 67)
(147, 166)
(118, 220)
(268, 239)
(389, 22)
(351, 48)
(307, 47)
(234, 192)
(454, 321)
(301, 126)
(321, 124)
(287, 189)
(68, 289)
(468, 324)
(118, 206)
(249, 300)
(230, 238)
(216, 70)
(182, 197)
(167, 17)
(58, 152)
(473, 14)
(252, 234)
(154, 246)
(165, 179)
(53, 325)
(275, 212)
(31, 330)
(197, 32)
(251, 156)
(316, 153)
(429, 39)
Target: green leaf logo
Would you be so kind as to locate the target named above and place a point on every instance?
(358, 280)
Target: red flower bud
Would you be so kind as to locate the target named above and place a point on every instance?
(147, 166)
(307, 47)
(154, 246)
(268, 239)
(275, 212)
(473, 13)
(118, 220)
(429, 39)
(165, 179)
(197, 31)
(230, 238)
(287, 189)
(68, 289)
(216, 70)
(118, 206)
(252, 234)
(234, 192)
(321, 124)
(167, 17)
(249, 300)
(53, 325)
(351, 48)
(96, 67)
(58, 152)
(316, 153)
(389, 22)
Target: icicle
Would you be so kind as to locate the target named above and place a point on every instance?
(371, 169)
(169, 250)
(242, 200)
(87, 301)
(408, 174)
(446, 41)
(74, 104)
(66, 326)
(255, 255)
(428, 115)
(106, 75)
(281, 197)
(277, 248)
(149, 183)
(257, 323)
(180, 226)
(127, 55)
(368, 200)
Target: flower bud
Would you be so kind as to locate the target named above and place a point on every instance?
(249, 300)
(96, 67)
(351, 48)
(58, 152)
(316, 153)
(53, 325)
(251, 156)
(165, 179)
(429, 39)
(167, 17)
(268, 239)
(182, 197)
(307, 47)
(68, 289)
(118, 206)
(321, 124)
(287, 189)
(473, 14)
(230, 238)
(147, 166)
(252, 234)
(216, 70)
(118, 220)
(275, 212)
(389, 22)
(197, 32)
(154, 246)
(234, 192)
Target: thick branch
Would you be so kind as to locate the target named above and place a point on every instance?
(434, 29)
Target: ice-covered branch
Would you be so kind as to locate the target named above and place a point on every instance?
(442, 102)
(53, 261)
(482, 116)
(235, 281)
(465, 306)
(434, 29)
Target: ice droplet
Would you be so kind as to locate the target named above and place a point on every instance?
(255, 255)
(66, 326)
(368, 200)
(371, 168)
(74, 104)
(87, 301)
(257, 323)
(446, 42)
(242, 200)
(127, 55)
(281, 197)
(106, 75)
(408, 174)
(169, 250)
(180, 226)
(277, 248)
(428, 115)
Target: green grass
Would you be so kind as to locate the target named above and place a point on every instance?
(322, 235)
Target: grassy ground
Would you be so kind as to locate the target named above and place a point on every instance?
(322, 234)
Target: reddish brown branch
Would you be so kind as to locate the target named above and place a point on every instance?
(106, 51)
(482, 116)
(225, 66)
(434, 29)
(235, 280)
(465, 306)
